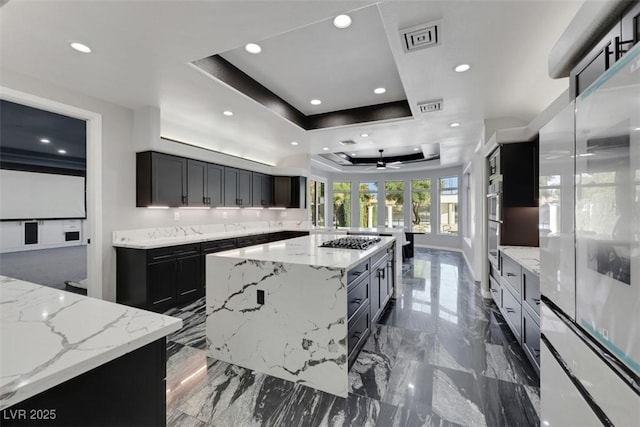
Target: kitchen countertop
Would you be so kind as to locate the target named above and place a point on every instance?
(528, 256)
(307, 251)
(50, 336)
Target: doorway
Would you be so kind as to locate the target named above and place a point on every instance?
(92, 232)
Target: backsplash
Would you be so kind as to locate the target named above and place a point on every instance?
(193, 230)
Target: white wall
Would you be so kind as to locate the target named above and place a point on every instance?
(473, 241)
(118, 173)
(434, 239)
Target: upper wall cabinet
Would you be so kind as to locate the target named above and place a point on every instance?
(237, 187)
(161, 180)
(262, 190)
(204, 184)
(290, 191)
(519, 169)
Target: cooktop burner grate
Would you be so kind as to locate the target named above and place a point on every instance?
(351, 242)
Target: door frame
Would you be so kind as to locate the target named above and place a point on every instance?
(93, 176)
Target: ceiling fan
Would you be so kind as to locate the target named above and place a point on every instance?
(381, 165)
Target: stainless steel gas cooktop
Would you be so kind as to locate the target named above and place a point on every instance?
(351, 242)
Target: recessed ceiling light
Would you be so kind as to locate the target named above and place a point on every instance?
(416, 149)
(379, 90)
(325, 148)
(462, 68)
(294, 143)
(81, 47)
(353, 154)
(62, 151)
(228, 113)
(342, 21)
(364, 135)
(45, 140)
(253, 48)
(316, 102)
(455, 124)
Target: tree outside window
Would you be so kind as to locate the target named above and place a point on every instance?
(368, 204)
(421, 205)
(342, 204)
(394, 203)
(316, 205)
(449, 205)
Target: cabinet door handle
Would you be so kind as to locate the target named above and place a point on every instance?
(511, 275)
(356, 335)
(510, 310)
(537, 301)
(356, 301)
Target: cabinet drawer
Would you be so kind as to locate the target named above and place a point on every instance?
(218, 245)
(249, 241)
(494, 272)
(496, 291)
(531, 338)
(357, 296)
(511, 310)
(511, 272)
(377, 258)
(357, 271)
(531, 290)
(358, 329)
(163, 254)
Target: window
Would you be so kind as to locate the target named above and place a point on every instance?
(368, 204)
(467, 201)
(316, 199)
(421, 205)
(394, 203)
(449, 205)
(342, 204)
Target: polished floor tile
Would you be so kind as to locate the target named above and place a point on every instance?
(441, 355)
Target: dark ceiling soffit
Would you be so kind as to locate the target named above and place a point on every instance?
(221, 69)
(390, 159)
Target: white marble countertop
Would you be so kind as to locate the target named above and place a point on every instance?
(160, 242)
(307, 251)
(49, 336)
(527, 256)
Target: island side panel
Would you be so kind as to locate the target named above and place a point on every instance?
(298, 334)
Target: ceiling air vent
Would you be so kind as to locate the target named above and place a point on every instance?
(348, 142)
(420, 37)
(430, 106)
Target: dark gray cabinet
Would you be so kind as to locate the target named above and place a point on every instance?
(290, 191)
(262, 190)
(161, 180)
(158, 279)
(237, 187)
(215, 185)
(204, 184)
(196, 183)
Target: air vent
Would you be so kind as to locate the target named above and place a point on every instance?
(420, 37)
(430, 106)
(348, 142)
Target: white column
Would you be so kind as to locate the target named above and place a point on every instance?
(390, 216)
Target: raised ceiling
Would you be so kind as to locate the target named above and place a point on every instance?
(142, 53)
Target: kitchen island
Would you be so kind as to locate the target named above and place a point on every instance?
(295, 310)
(66, 359)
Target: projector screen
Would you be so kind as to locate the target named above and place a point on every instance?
(31, 195)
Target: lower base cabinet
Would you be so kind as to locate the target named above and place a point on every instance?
(162, 278)
(370, 287)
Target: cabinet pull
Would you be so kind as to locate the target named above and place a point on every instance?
(493, 290)
(537, 301)
(238, 202)
(184, 200)
(163, 300)
(381, 272)
(510, 310)
(356, 301)
(356, 335)
(511, 275)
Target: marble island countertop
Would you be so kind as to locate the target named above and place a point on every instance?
(527, 256)
(50, 336)
(307, 251)
(151, 238)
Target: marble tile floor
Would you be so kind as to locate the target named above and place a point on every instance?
(441, 355)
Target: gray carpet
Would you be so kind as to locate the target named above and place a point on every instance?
(48, 267)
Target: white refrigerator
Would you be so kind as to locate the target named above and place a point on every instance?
(590, 254)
